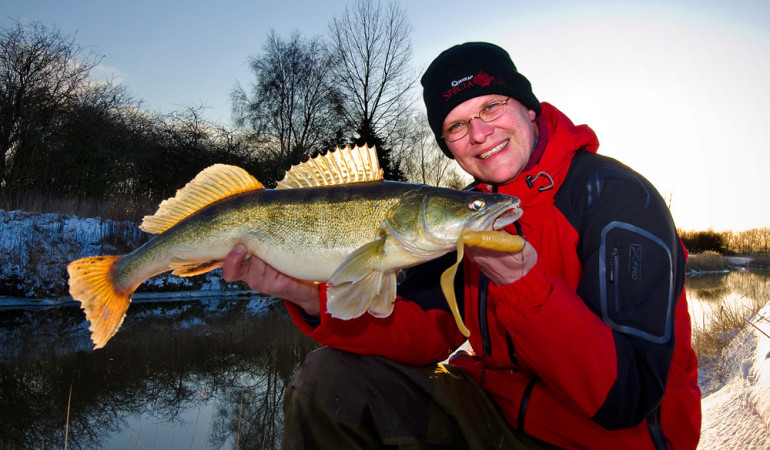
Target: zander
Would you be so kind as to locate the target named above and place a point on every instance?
(331, 219)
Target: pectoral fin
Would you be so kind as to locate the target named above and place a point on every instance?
(383, 303)
(358, 264)
(358, 285)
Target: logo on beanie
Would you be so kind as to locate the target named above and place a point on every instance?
(481, 79)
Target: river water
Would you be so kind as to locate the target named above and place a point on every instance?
(734, 293)
(194, 374)
(189, 374)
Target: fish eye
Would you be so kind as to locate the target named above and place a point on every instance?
(476, 204)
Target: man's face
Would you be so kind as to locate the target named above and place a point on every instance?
(494, 152)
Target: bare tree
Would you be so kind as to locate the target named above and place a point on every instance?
(42, 73)
(187, 128)
(372, 50)
(292, 109)
(422, 159)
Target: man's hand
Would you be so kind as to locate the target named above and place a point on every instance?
(265, 279)
(501, 267)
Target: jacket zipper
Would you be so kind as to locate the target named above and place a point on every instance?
(486, 343)
(614, 258)
(654, 427)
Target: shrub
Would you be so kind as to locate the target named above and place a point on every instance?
(703, 241)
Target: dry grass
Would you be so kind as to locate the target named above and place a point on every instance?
(710, 343)
(706, 262)
(728, 300)
(761, 260)
(724, 322)
(118, 209)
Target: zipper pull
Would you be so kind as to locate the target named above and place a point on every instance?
(483, 366)
(613, 260)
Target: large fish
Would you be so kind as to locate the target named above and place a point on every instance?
(331, 219)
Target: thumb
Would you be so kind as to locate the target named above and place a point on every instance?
(232, 266)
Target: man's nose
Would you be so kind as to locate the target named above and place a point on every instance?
(478, 130)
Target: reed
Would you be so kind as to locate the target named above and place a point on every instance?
(708, 261)
(195, 428)
(118, 209)
(67, 423)
(761, 261)
(240, 417)
(709, 343)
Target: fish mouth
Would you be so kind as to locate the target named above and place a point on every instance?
(506, 218)
(498, 216)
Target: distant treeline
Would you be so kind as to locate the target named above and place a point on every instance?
(750, 242)
(63, 135)
(67, 136)
(72, 145)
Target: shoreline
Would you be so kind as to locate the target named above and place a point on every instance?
(8, 303)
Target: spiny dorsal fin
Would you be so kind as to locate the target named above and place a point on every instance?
(212, 184)
(341, 166)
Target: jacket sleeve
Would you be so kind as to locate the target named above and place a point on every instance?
(608, 346)
(420, 331)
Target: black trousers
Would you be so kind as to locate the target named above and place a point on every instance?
(340, 400)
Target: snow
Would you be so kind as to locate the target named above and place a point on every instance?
(37, 247)
(737, 415)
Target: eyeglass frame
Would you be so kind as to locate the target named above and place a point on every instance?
(478, 116)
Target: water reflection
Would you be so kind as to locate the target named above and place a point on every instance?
(736, 291)
(189, 374)
(194, 374)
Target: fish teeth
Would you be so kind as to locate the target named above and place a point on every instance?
(506, 218)
(494, 150)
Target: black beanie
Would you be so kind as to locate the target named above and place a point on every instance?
(466, 71)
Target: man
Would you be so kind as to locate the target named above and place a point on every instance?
(582, 339)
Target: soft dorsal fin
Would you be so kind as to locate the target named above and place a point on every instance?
(341, 166)
(213, 183)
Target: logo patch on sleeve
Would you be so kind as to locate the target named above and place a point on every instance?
(635, 261)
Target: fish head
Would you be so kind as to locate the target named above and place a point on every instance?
(433, 218)
(493, 211)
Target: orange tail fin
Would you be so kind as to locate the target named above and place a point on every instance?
(105, 306)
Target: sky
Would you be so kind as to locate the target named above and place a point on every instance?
(675, 89)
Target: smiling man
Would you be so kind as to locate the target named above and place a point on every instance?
(597, 333)
(580, 340)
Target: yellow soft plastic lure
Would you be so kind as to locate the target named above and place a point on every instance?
(493, 240)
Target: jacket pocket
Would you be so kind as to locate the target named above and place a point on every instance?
(636, 282)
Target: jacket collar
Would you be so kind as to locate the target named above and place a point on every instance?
(558, 140)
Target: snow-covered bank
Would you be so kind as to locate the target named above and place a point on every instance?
(36, 249)
(737, 415)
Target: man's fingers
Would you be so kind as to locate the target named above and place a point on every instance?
(232, 268)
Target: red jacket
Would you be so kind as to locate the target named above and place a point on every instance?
(592, 347)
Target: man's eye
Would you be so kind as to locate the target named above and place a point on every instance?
(455, 127)
(492, 107)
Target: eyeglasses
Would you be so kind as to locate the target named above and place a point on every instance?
(491, 112)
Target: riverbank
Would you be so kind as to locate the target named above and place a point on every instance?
(737, 414)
